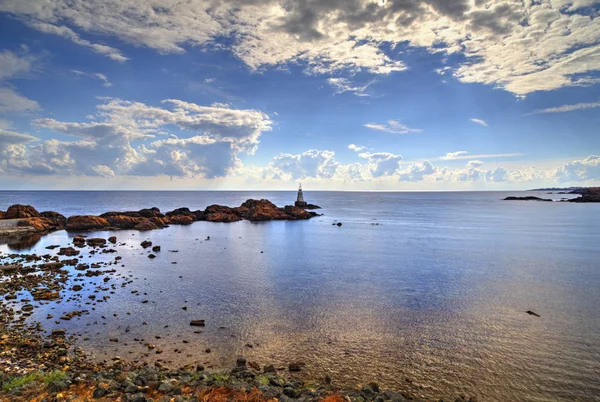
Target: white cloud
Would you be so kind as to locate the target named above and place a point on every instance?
(382, 163)
(342, 85)
(98, 76)
(568, 108)
(461, 155)
(417, 171)
(474, 164)
(116, 145)
(356, 148)
(580, 170)
(393, 126)
(312, 163)
(11, 101)
(14, 65)
(520, 46)
(12, 138)
(454, 155)
(479, 121)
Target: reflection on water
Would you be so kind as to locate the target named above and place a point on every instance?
(431, 300)
(20, 243)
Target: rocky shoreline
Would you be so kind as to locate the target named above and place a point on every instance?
(21, 220)
(39, 364)
(589, 194)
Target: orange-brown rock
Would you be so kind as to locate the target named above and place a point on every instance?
(222, 217)
(298, 213)
(181, 219)
(21, 211)
(145, 224)
(2, 213)
(86, 222)
(261, 210)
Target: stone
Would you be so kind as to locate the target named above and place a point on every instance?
(86, 222)
(146, 243)
(156, 248)
(112, 239)
(197, 323)
(95, 242)
(21, 211)
(297, 366)
(100, 392)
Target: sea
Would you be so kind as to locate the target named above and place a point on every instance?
(424, 292)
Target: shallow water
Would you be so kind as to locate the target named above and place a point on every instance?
(419, 291)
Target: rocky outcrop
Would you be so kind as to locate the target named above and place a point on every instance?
(527, 198)
(86, 222)
(589, 194)
(21, 211)
(29, 220)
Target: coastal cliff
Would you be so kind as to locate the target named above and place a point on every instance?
(25, 219)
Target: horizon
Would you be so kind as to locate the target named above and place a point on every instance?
(369, 96)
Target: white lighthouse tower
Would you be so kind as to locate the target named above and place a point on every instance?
(300, 199)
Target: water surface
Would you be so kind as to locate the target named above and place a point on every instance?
(419, 291)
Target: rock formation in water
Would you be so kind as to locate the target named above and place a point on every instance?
(527, 198)
(25, 219)
(589, 194)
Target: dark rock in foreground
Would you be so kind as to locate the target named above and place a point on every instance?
(527, 198)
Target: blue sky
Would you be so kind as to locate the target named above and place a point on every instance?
(361, 95)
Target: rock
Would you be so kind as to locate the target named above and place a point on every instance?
(165, 387)
(588, 194)
(527, 198)
(112, 239)
(297, 366)
(76, 288)
(145, 224)
(146, 243)
(100, 392)
(95, 242)
(533, 313)
(339, 223)
(270, 369)
(21, 211)
(156, 248)
(86, 222)
(59, 219)
(197, 323)
(240, 362)
(297, 212)
(68, 251)
(151, 256)
(59, 332)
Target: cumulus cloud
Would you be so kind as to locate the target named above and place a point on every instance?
(118, 144)
(312, 163)
(382, 163)
(393, 126)
(519, 46)
(580, 170)
(417, 171)
(479, 121)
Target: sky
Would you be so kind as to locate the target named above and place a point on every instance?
(263, 94)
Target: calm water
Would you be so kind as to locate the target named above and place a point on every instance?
(429, 287)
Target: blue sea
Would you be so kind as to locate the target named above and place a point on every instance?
(419, 291)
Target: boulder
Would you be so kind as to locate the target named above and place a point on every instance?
(182, 219)
(95, 241)
(59, 219)
(2, 213)
(21, 211)
(296, 212)
(221, 217)
(86, 222)
(145, 224)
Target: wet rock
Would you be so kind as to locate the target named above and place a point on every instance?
(197, 323)
(527, 198)
(533, 313)
(339, 223)
(95, 242)
(68, 251)
(146, 243)
(156, 248)
(112, 239)
(151, 256)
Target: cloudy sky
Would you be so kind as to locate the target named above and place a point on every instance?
(263, 94)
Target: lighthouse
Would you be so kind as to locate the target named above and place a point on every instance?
(300, 199)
